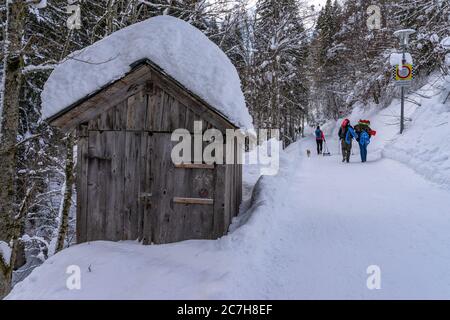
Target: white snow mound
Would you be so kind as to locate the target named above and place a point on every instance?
(397, 58)
(446, 43)
(5, 252)
(183, 51)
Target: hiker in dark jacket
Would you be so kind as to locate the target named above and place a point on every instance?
(346, 135)
(320, 138)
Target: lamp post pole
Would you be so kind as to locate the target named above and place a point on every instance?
(403, 35)
(402, 112)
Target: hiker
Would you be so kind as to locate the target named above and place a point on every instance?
(364, 133)
(346, 136)
(320, 138)
(364, 140)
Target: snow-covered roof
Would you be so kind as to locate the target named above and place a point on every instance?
(180, 49)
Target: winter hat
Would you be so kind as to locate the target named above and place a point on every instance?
(364, 122)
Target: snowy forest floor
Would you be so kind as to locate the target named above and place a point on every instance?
(313, 231)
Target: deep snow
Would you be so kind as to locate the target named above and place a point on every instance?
(5, 252)
(312, 232)
(183, 51)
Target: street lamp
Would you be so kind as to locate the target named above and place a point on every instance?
(403, 36)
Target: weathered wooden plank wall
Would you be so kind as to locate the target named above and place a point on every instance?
(127, 182)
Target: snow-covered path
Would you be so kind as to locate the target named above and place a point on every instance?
(312, 233)
(334, 220)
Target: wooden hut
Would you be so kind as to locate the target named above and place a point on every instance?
(127, 185)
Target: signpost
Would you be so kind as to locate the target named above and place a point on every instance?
(403, 72)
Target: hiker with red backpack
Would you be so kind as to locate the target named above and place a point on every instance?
(320, 138)
(365, 133)
(346, 136)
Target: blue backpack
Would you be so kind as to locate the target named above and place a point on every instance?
(350, 135)
(364, 138)
(319, 134)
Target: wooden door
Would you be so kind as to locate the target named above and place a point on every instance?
(135, 192)
(182, 197)
(116, 186)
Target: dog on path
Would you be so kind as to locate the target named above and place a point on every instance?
(308, 153)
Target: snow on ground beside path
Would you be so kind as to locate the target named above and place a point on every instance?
(313, 231)
(425, 146)
(188, 270)
(183, 51)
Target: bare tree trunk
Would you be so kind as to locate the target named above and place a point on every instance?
(303, 125)
(275, 98)
(5, 278)
(16, 11)
(67, 200)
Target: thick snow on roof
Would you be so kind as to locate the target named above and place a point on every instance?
(183, 51)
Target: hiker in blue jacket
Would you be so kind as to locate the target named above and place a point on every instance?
(364, 140)
(364, 133)
(348, 134)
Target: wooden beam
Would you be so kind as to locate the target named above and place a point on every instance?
(99, 102)
(193, 201)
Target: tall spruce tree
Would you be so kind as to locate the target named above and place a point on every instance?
(280, 44)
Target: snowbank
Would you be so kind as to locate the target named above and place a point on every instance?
(183, 51)
(5, 252)
(128, 270)
(198, 269)
(425, 146)
(298, 242)
(446, 43)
